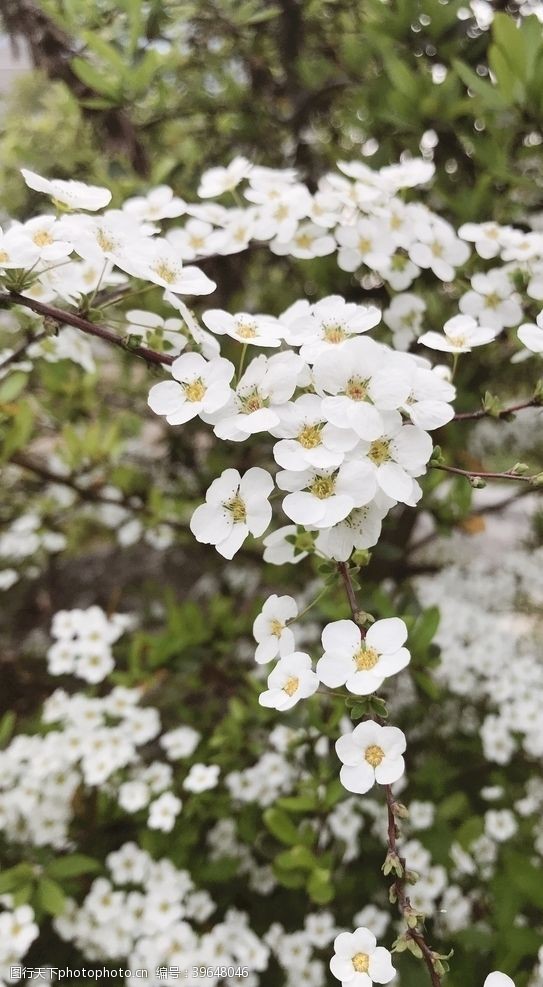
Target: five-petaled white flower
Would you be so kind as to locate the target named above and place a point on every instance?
(321, 498)
(371, 753)
(256, 330)
(235, 507)
(74, 195)
(359, 962)
(460, 335)
(200, 386)
(271, 631)
(362, 664)
(532, 335)
(292, 679)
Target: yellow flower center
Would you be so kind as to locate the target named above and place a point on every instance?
(366, 658)
(247, 330)
(276, 627)
(281, 212)
(492, 300)
(303, 240)
(310, 436)
(437, 248)
(291, 685)
(237, 508)
(196, 242)
(374, 755)
(364, 245)
(195, 390)
(334, 333)
(395, 221)
(323, 487)
(251, 402)
(361, 962)
(42, 238)
(457, 340)
(356, 389)
(3, 256)
(164, 271)
(379, 451)
(104, 241)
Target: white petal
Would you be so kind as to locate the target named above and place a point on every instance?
(387, 635)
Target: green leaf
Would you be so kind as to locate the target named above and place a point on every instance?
(15, 877)
(7, 726)
(50, 896)
(491, 96)
(11, 386)
(72, 866)
(94, 78)
(297, 858)
(282, 827)
(319, 886)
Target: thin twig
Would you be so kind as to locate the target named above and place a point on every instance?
(404, 904)
(61, 317)
(465, 416)
(21, 350)
(483, 475)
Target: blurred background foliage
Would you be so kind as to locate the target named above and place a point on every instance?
(148, 91)
(134, 93)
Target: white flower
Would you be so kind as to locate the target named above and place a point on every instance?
(159, 203)
(428, 401)
(308, 241)
(154, 331)
(359, 961)
(532, 335)
(404, 317)
(216, 181)
(399, 454)
(362, 664)
(164, 266)
(292, 679)
(359, 380)
(202, 777)
(371, 753)
(16, 250)
(279, 551)
(500, 824)
(329, 323)
(75, 195)
(257, 330)
(181, 742)
(365, 243)
(461, 334)
(360, 529)
(270, 629)
(498, 980)
(308, 440)
(438, 248)
(258, 402)
(163, 812)
(235, 507)
(200, 386)
(487, 237)
(321, 498)
(492, 301)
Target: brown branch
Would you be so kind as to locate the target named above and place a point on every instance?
(61, 317)
(21, 350)
(92, 494)
(483, 475)
(404, 904)
(465, 416)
